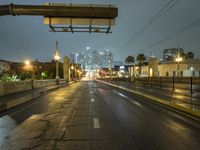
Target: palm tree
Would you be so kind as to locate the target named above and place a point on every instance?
(130, 59)
(190, 55)
(182, 55)
(141, 58)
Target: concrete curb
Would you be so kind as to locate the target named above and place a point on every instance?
(192, 114)
(24, 99)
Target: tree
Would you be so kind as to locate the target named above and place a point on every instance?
(141, 58)
(190, 55)
(130, 59)
(182, 55)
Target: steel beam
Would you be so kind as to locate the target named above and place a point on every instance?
(70, 11)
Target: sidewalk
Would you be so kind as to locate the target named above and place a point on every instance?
(12, 100)
(175, 102)
(179, 97)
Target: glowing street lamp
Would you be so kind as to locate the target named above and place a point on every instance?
(191, 70)
(72, 67)
(27, 62)
(178, 60)
(27, 65)
(57, 58)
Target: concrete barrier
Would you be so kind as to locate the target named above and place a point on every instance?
(1, 88)
(10, 87)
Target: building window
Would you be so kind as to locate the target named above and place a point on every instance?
(181, 73)
(174, 73)
(193, 73)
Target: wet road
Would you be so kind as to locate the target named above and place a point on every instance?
(91, 115)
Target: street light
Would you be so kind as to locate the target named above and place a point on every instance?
(178, 60)
(27, 66)
(72, 68)
(27, 62)
(191, 70)
(57, 58)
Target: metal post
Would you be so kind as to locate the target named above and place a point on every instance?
(160, 82)
(173, 83)
(191, 85)
(57, 64)
(57, 70)
(138, 81)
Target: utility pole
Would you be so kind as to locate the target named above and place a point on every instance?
(57, 57)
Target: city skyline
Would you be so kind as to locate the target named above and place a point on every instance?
(28, 38)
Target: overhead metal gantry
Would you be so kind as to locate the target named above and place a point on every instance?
(68, 17)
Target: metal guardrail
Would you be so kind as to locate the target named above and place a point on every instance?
(90, 11)
(190, 84)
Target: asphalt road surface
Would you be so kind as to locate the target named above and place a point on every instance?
(89, 115)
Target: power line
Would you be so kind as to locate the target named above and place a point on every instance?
(184, 29)
(163, 11)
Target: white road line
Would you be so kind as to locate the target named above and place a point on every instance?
(25, 107)
(16, 112)
(122, 95)
(126, 97)
(30, 105)
(136, 103)
(62, 121)
(96, 123)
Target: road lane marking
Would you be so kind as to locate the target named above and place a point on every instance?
(62, 121)
(96, 123)
(14, 113)
(25, 107)
(136, 103)
(122, 95)
(126, 97)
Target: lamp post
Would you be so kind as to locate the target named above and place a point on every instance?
(57, 58)
(27, 62)
(72, 68)
(191, 71)
(28, 67)
(178, 60)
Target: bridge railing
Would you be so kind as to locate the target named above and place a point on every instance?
(190, 84)
(9, 87)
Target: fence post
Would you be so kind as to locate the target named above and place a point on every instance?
(32, 84)
(160, 82)
(2, 92)
(191, 85)
(173, 83)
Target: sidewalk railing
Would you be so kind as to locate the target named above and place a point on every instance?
(189, 84)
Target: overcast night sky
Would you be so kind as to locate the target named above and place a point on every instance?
(25, 37)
